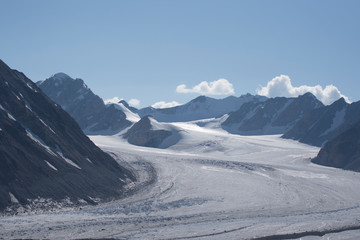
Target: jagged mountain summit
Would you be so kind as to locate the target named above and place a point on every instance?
(343, 151)
(45, 155)
(273, 116)
(323, 124)
(88, 109)
(201, 107)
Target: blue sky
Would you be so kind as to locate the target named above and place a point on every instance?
(145, 49)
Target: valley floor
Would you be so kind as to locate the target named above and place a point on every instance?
(213, 185)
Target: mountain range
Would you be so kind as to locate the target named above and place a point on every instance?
(201, 107)
(303, 118)
(247, 114)
(44, 154)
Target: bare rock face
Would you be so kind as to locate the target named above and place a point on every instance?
(88, 109)
(273, 116)
(325, 123)
(343, 151)
(44, 153)
(142, 134)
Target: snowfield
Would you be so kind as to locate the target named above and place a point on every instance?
(212, 185)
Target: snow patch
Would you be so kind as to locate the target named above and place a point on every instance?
(69, 161)
(27, 105)
(9, 114)
(11, 117)
(50, 165)
(132, 117)
(31, 87)
(13, 199)
(46, 125)
(40, 142)
(88, 159)
(18, 98)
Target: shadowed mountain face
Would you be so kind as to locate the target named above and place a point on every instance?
(343, 151)
(323, 124)
(273, 116)
(83, 105)
(44, 153)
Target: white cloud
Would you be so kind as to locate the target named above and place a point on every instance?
(281, 86)
(134, 102)
(219, 87)
(112, 100)
(163, 104)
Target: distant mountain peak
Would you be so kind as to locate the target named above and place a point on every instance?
(308, 94)
(83, 105)
(61, 76)
(200, 99)
(341, 101)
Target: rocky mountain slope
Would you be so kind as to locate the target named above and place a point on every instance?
(343, 151)
(45, 155)
(323, 124)
(149, 133)
(83, 105)
(273, 116)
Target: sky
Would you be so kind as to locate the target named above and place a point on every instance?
(169, 52)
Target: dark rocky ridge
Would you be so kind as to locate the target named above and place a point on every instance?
(44, 153)
(323, 124)
(273, 116)
(343, 151)
(83, 105)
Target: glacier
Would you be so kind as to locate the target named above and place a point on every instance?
(212, 185)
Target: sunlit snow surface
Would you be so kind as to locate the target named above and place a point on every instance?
(212, 185)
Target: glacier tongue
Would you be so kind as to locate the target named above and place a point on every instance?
(212, 185)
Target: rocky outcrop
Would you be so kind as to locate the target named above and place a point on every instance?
(343, 151)
(44, 154)
(143, 134)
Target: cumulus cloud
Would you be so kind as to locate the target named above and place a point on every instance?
(163, 104)
(134, 102)
(281, 86)
(112, 100)
(218, 87)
